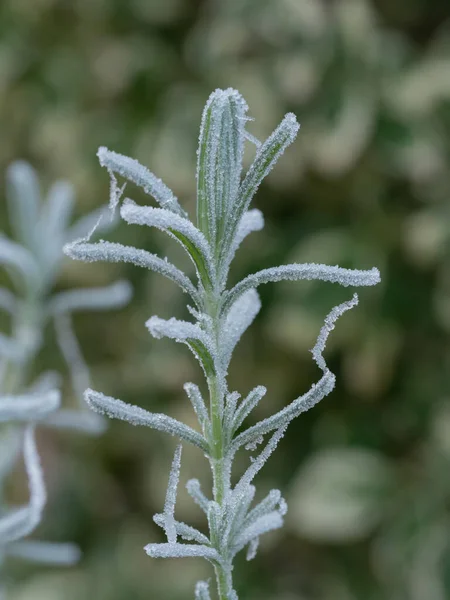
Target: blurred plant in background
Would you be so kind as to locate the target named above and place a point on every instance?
(367, 184)
(32, 261)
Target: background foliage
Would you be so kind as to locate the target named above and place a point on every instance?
(366, 183)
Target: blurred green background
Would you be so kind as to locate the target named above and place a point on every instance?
(366, 473)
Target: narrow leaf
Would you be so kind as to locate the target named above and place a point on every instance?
(132, 170)
(20, 259)
(266, 157)
(113, 252)
(197, 402)
(135, 415)
(171, 497)
(247, 405)
(296, 272)
(182, 230)
(188, 533)
(219, 165)
(182, 551)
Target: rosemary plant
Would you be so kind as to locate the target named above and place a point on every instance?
(32, 258)
(221, 316)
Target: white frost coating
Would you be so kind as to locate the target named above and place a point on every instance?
(309, 271)
(198, 341)
(259, 462)
(312, 397)
(188, 533)
(71, 351)
(198, 404)
(28, 407)
(262, 525)
(182, 551)
(239, 318)
(113, 252)
(247, 405)
(171, 497)
(330, 321)
(45, 552)
(176, 330)
(202, 591)
(116, 295)
(132, 170)
(23, 521)
(219, 164)
(177, 227)
(18, 257)
(136, 415)
(266, 157)
(195, 492)
(267, 505)
(303, 403)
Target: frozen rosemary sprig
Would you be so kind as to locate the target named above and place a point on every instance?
(221, 317)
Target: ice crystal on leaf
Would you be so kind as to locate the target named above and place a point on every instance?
(221, 316)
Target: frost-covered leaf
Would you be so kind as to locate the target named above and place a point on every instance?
(188, 533)
(182, 551)
(266, 157)
(171, 497)
(296, 272)
(113, 252)
(318, 391)
(190, 334)
(219, 164)
(28, 407)
(19, 523)
(303, 403)
(116, 295)
(246, 406)
(49, 553)
(133, 171)
(239, 318)
(135, 415)
(23, 195)
(181, 229)
(264, 524)
(198, 403)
